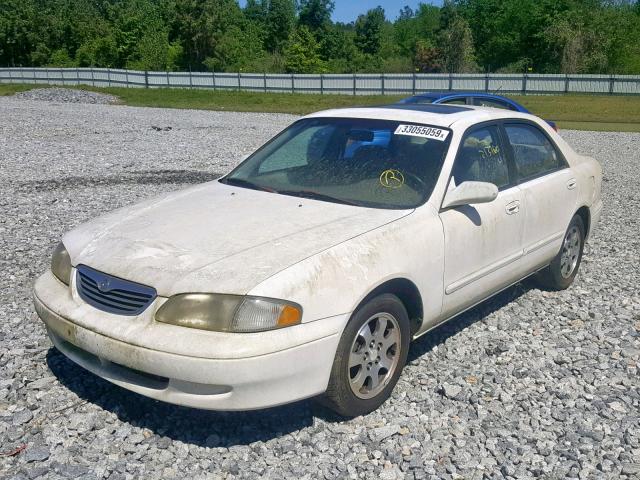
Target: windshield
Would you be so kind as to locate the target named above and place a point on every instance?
(364, 162)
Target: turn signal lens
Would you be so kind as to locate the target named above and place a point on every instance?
(259, 314)
(289, 316)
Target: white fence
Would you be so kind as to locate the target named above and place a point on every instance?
(351, 84)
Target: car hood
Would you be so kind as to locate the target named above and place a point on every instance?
(215, 237)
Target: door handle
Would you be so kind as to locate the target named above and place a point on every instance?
(513, 207)
(571, 184)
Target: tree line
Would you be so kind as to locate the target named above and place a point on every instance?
(299, 36)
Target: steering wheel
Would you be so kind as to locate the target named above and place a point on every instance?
(415, 178)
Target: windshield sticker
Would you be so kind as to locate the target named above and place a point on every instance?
(392, 179)
(424, 132)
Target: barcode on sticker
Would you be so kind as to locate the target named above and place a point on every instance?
(420, 131)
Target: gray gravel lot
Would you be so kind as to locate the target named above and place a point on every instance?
(529, 384)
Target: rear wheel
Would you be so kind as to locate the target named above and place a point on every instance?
(563, 269)
(370, 357)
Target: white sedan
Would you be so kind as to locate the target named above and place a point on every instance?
(310, 267)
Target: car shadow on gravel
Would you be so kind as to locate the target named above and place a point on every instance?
(189, 425)
(226, 429)
(137, 177)
(440, 334)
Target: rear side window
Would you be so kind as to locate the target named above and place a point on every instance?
(481, 159)
(533, 153)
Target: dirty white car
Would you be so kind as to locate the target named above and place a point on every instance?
(309, 268)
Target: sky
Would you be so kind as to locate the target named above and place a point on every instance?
(348, 10)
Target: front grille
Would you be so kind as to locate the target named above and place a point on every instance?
(112, 294)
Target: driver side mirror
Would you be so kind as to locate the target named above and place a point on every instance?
(468, 193)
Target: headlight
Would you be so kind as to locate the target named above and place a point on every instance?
(61, 264)
(228, 313)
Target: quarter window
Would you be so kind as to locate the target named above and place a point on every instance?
(533, 153)
(481, 159)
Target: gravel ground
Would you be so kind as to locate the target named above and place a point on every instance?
(529, 384)
(66, 95)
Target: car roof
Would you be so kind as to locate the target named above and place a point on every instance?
(429, 114)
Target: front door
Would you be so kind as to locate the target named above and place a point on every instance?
(482, 242)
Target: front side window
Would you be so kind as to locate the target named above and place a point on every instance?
(533, 153)
(481, 159)
(487, 102)
(456, 101)
(365, 162)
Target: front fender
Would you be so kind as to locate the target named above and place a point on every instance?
(335, 281)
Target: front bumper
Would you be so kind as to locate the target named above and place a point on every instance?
(198, 370)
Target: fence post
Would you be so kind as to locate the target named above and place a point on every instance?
(264, 81)
(354, 83)
(322, 84)
(524, 83)
(190, 78)
(486, 82)
(382, 83)
(108, 77)
(293, 84)
(46, 71)
(126, 77)
(146, 79)
(213, 76)
(413, 84)
(612, 80)
(238, 81)
(566, 83)
(450, 81)
(168, 81)
(93, 80)
(10, 76)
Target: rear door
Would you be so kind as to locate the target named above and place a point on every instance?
(483, 242)
(549, 189)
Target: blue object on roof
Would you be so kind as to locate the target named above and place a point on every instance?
(466, 98)
(428, 107)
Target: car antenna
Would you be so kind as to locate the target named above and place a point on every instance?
(496, 90)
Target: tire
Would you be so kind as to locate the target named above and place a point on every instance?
(368, 383)
(561, 272)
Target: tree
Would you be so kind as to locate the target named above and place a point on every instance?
(280, 21)
(200, 26)
(369, 31)
(315, 14)
(456, 47)
(426, 58)
(301, 53)
(256, 10)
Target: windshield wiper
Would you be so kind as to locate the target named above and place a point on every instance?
(315, 196)
(240, 182)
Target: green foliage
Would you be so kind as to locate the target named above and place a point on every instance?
(456, 46)
(280, 21)
(570, 36)
(302, 53)
(315, 14)
(369, 31)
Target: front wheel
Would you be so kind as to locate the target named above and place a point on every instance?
(561, 272)
(370, 357)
